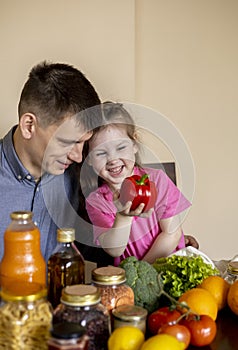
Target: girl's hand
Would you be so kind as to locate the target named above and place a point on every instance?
(126, 209)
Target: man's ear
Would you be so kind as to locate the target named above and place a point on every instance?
(28, 124)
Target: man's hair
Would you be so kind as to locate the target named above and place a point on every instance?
(56, 90)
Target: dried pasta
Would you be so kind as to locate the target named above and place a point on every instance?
(25, 326)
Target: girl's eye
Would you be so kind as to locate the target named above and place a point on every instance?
(121, 148)
(100, 154)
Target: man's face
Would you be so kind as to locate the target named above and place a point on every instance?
(59, 146)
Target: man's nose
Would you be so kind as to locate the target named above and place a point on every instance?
(75, 154)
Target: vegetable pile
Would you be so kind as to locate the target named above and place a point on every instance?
(181, 273)
(142, 277)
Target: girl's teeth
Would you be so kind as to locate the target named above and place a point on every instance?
(115, 170)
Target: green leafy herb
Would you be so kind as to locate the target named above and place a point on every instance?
(180, 273)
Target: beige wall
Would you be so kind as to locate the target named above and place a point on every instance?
(176, 59)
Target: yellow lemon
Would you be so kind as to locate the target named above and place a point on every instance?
(200, 301)
(163, 342)
(126, 338)
(218, 287)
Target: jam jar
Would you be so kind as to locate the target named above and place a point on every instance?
(25, 320)
(130, 315)
(68, 336)
(80, 304)
(111, 282)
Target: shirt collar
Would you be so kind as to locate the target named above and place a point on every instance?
(19, 171)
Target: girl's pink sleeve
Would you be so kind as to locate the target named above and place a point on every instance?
(101, 221)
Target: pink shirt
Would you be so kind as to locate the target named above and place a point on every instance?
(170, 202)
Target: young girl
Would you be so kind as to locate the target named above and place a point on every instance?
(112, 154)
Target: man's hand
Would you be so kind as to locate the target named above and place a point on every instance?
(191, 241)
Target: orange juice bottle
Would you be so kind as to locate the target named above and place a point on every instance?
(22, 265)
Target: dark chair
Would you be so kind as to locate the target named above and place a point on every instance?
(97, 254)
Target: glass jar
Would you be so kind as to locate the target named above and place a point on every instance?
(231, 274)
(130, 315)
(22, 259)
(111, 282)
(68, 336)
(25, 320)
(81, 304)
(65, 266)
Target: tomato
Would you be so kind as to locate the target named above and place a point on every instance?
(203, 329)
(179, 331)
(161, 316)
(138, 189)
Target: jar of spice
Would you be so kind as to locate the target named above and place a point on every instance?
(130, 315)
(68, 336)
(22, 259)
(25, 319)
(111, 282)
(80, 304)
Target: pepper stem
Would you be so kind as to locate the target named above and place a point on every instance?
(141, 181)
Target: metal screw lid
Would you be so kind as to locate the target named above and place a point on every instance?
(21, 215)
(130, 313)
(80, 295)
(233, 267)
(65, 235)
(109, 275)
(31, 292)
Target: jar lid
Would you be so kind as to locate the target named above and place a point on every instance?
(233, 267)
(33, 291)
(80, 295)
(109, 275)
(65, 235)
(67, 330)
(23, 215)
(130, 313)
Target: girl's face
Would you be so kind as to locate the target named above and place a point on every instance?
(112, 155)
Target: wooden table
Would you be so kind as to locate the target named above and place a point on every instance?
(227, 332)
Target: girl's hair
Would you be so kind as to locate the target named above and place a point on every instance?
(112, 114)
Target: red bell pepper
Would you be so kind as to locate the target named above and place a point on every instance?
(138, 189)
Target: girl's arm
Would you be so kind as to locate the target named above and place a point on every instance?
(166, 241)
(115, 239)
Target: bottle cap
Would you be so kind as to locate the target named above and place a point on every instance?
(23, 215)
(109, 275)
(80, 295)
(65, 235)
(67, 330)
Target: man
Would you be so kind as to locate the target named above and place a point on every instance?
(57, 113)
(58, 109)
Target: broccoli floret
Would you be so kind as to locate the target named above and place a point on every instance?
(143, 279)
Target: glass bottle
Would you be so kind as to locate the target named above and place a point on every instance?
(81, 304)
(68, 336)
(65, 266)
(22, 259)
(25, 319)
(111, 282)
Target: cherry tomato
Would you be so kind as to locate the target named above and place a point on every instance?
(161, 316)
(179, 331)
(203, 329)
